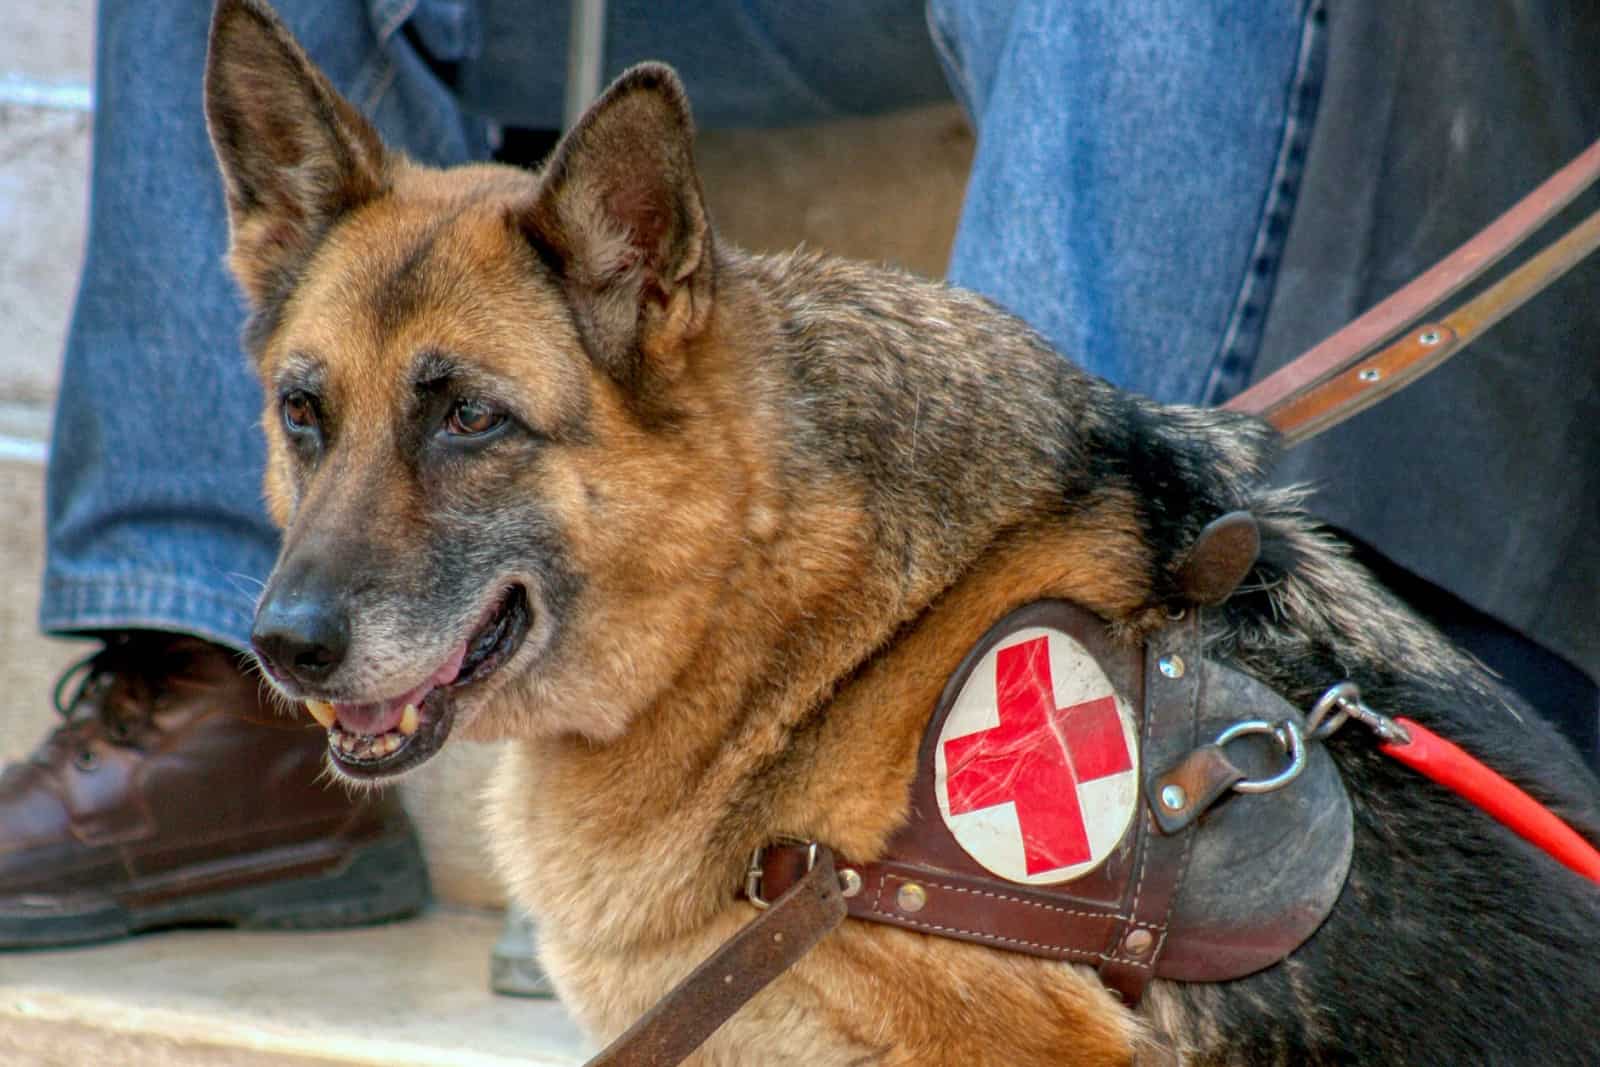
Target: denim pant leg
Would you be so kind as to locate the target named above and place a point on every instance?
(743, 62)
(155, 516)
(1135, 169)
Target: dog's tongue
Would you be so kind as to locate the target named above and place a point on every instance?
(385, 715)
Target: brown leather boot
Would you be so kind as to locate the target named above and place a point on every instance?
(176, 794)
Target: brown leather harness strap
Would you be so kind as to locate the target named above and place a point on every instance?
(682, 1020)
(1342, 376)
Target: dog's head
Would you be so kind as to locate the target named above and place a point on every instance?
(478, 407)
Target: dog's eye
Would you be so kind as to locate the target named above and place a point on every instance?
(471, 418)
(299, 411)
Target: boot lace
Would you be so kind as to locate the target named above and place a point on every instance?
(112, 693)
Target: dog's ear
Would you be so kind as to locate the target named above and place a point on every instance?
(620, 218)
(294, 153)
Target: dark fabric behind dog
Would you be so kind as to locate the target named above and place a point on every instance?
(1484, 478)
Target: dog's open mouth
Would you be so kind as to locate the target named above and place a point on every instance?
(387, 737)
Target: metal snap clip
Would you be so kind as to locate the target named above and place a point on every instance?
(1346, 697)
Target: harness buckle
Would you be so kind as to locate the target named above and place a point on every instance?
(753, 873)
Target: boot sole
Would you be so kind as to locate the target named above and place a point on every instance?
(379, 881)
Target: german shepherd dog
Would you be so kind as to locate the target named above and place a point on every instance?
(701, 535)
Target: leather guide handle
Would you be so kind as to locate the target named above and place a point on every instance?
(743, 966)
(1343, 375)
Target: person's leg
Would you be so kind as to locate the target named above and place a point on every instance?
(155, 516)
(1135, 171)
(157, 539)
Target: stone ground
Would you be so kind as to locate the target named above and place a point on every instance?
(406, 995)
(885, 189)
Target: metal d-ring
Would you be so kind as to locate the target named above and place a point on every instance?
(1287, 734)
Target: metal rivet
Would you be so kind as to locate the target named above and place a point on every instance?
(1429, 338)
(778, 937)
(1171, 666)
(727, 979)
(911, 897)
(849, 881)
(1371, 374)
(1173, 798)
(1138, 942)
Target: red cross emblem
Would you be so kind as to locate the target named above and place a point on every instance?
(1038, 760)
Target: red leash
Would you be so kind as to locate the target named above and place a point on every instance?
(1452, 767)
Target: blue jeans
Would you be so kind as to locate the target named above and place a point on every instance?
(1135, 169)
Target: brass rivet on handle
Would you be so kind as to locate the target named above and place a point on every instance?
(1171, 666)
(1138, 942)
(911, 897)
(849, 881)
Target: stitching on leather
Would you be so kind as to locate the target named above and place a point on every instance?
(1188, 841)
(1144, 751)
(1111, 916)
(877, 898)
(1148, 961)
(1067, 950)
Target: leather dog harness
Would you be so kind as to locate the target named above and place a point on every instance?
(1056, 809)
(1069, 761)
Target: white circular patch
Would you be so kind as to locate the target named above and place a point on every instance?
(1037, 765)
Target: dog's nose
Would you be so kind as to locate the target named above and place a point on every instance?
(300, 635)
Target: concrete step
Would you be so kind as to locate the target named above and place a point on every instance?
(29, 663)
(48, 44)
(44, 166)
(410, 994)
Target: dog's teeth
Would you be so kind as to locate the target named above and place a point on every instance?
(408, 720)
(323, 712)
